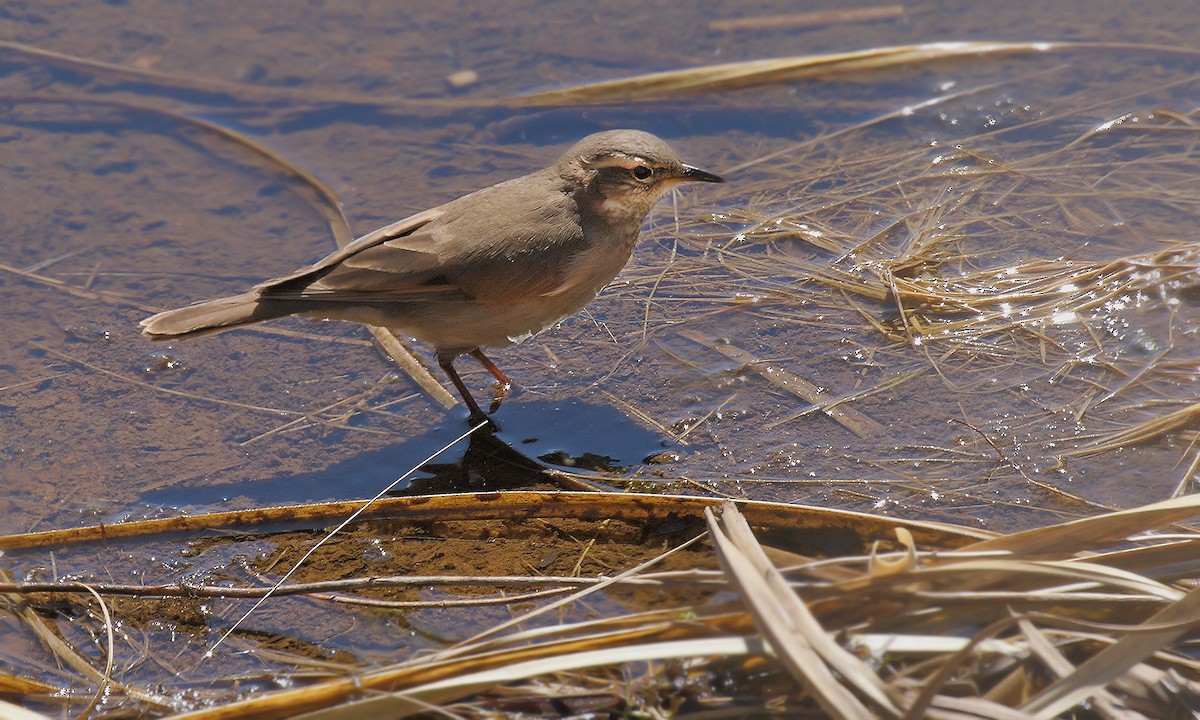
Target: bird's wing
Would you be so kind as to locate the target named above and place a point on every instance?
(441, 253)
(397, 261)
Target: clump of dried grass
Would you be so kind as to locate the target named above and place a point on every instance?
(1090, 617)
(1042, 273)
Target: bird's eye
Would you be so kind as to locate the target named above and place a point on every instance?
(641, 172)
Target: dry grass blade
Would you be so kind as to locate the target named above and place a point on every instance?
(509, 505)
(12, 685)
(1114, 661)
(1151, 429)
(106, 681)
(808, 19)
(537, 652)
(8, 711)
(967, 574)
(419, 698)
(951, 708)
(1093, 532)
(1050, 656)
(795, 635)
(945, 667)
(1170, 556)
(556, 583)
(412, 367)
(715, 78)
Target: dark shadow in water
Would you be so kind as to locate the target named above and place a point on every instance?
(528, 439)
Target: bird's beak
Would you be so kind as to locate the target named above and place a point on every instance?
(695, 173)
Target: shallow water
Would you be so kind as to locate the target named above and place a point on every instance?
(118, 203)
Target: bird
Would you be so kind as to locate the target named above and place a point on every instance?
(488, 269)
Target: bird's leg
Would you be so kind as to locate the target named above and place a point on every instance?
(503, 383)
(490, 366)
(447, 364)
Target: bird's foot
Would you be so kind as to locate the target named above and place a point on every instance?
(482, 418)
(499, 392)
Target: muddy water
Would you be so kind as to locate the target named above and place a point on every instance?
(116, 204)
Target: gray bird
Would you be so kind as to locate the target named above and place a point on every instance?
(488, 269)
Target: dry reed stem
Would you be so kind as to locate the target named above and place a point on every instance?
(807, 19)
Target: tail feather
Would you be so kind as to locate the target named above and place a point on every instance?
(213, 316)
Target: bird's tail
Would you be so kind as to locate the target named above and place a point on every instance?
(213, 316)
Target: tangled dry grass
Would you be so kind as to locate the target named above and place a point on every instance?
(910, 620)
